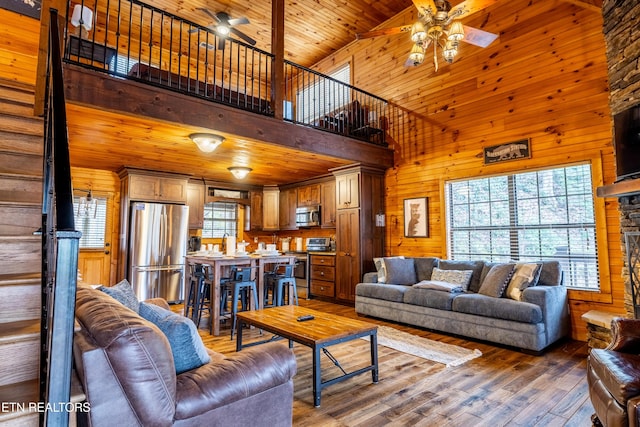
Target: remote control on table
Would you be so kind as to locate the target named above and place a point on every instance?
(305, 317)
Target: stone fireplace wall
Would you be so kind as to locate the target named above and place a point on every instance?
(622, 39)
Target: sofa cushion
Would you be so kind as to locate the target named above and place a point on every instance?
(498, 308)
(456, 277)
(551, 274)
(524, 275)
(123, 292)
(429, 298)
(400, 271)
(382, 291)
(496, 280)
(381, 269)
(475, 266)
(186, 345)
(424, 267)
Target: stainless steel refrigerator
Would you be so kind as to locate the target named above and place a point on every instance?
(157, 247)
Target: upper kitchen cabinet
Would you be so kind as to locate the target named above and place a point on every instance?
(195, 201)
(348, 190)
(287, 217)
(309, 195)
(328, 204)
(256, 215)
(152, 186)
(270, 208)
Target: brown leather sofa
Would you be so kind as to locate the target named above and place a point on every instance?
(613, 375)
(127, 370)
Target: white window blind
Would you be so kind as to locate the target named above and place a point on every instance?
(540, 215)
(321, 96)
(220, 218)
(91, 221)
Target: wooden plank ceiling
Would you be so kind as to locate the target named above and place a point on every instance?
(313, 30)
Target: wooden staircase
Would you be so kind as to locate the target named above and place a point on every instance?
(21, 156)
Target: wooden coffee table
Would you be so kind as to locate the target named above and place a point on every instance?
(323, 331)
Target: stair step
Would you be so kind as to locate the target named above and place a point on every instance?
(21, 188)
(20, 163)
(19, 220)
(20, 255)
(21, 124)
(20, 302)
(19, 351)
(19, 395)
(16, 108)
(21, 143)
(15, 86)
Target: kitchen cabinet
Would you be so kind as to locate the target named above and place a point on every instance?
(153, 188)
(328, 204)
(195, 201)
(348, 190)
(358, 239)
(270, 208)
(322, 275)
(255, 213)
(309, 195)
(287, 217)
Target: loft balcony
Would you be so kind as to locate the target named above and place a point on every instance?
(130, 47)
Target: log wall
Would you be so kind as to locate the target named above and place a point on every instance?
(545, 78)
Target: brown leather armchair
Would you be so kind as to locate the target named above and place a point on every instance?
(613, 375)
(128, 374)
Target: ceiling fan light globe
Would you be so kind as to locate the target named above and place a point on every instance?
(450, 51)
(418, 34)
(456, 32)
(223, 30)
(417, 55)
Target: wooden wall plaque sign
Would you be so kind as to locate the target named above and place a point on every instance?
(508, 151)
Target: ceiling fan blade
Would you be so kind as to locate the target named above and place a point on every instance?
(208, 12)
(423, 5)
(243, 36)
(478, 37)
(238, 21)
(469, 7)
(383, 32)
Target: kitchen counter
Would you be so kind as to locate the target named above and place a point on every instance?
(330, 253)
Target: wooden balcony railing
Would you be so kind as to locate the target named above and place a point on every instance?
(130, 39)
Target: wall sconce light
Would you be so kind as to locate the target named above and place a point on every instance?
(82, 15)
(207, 142)
(239, 172)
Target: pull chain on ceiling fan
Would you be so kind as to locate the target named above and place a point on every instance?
(439, 25)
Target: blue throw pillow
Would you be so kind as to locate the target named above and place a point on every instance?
(186, 345)
(123, 292)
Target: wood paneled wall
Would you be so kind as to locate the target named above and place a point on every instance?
(545, 78)
(18, 47)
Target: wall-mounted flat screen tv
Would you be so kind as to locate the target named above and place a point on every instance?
(627, 143)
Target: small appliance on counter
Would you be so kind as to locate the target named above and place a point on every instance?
(318, 244)
(195, 242)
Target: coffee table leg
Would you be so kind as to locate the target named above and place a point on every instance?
(374, 356)
(317, 385)
(239, 335)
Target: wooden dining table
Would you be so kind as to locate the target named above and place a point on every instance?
(220, 265)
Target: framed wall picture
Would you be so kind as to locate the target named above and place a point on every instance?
(416, 217)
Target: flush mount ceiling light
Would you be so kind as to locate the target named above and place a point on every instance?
(207, 142)
(239, 172)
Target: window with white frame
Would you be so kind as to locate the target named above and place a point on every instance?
(90, 215)
(539, 215)
(321, 96)
(220, 218)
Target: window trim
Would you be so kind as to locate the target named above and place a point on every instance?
(237, 219)
(604, 295)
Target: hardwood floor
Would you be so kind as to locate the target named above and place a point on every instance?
(503, 387)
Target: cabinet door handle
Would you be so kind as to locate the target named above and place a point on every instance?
(322, 273)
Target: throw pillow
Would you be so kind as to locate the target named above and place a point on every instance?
(381, 268)
(123, 292)
(524, 276)
(186, 345)
(438, 286)
(496, 280)
(457, 277)
(400, 271)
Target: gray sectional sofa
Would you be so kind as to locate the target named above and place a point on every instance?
(538, 316)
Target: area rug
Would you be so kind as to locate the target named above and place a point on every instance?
(448, 354)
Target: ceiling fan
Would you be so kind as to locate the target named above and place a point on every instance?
(223, 25)
(439, 25)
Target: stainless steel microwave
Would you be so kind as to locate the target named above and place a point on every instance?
(308, 216)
